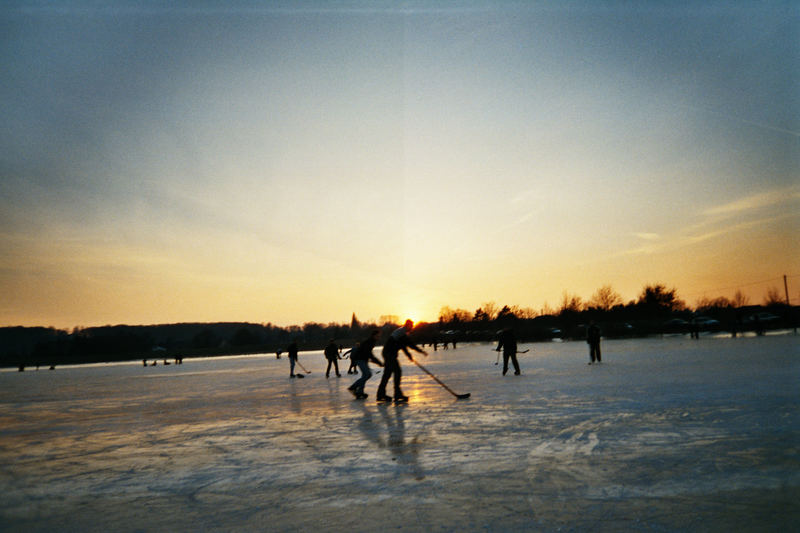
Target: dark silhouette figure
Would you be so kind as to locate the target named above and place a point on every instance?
(508, 342)
(593, 335)
(397, 341)
(759, 329)
(736, 326)
(349, 353)
(361, 355)
(332, 355)
(291, 352)
(694, 329)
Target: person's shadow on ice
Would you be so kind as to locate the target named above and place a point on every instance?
(404, 452)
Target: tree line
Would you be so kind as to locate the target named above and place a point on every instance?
(653, 301)
(658, 309)
(39, 346)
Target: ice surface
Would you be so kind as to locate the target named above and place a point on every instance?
(667, 434)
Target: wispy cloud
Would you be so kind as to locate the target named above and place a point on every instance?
(694, 237)
(755, 201)
(751, 211)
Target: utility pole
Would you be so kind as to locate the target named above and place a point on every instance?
(789, 311)
(786, 289)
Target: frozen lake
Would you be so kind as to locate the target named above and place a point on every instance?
(668, 434)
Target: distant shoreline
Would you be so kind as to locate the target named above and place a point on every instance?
(29, 347)
(170, 359)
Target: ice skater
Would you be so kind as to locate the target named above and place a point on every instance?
(352, 368)
(291, 353)
(361, 355)
(508, 342)
(593, 335)
(398, 340)
(332, 355)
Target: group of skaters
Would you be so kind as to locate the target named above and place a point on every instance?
(178, 361)
(361, 355)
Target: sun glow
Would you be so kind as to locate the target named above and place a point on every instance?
(413, 316)
(396, 201)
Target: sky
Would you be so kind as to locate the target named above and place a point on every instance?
(292, 162)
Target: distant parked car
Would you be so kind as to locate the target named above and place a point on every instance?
(617, 329)
(676, 325)
(761, 321)
(706, 322)
(765, 318)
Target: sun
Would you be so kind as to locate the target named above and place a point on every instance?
(414, 309)
(416, 316)
(413, 316)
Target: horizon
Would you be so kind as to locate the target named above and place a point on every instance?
(294, 162)
(393, 319)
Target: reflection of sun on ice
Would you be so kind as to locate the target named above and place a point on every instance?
(416, 394)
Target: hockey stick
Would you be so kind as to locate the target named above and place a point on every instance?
(304, 368)
(458, 396)
(498, 355)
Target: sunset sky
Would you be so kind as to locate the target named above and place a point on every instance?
(289, 162)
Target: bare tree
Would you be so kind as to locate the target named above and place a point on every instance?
(739, 299)
(490, 309)
(773, 297)
(705, 303)
(480, 316)
(506, 313)
(570, 303)
(523, 312)
(448, 315)
(389, 319)
(605, 299)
